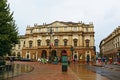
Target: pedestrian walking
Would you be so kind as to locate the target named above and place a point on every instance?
(110, 59)
(88, 58)
(103, 60)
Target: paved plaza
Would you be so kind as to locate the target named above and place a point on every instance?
(90, 72)
(54, 72)
(46, 72)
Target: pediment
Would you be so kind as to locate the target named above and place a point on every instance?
(57, 24)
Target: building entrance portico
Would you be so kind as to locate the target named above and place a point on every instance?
(44, 54)
(63, 51)
(54, 53)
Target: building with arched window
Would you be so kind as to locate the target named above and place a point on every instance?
(76, 39)
(17, 48)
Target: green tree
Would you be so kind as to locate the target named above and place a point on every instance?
(8, 29)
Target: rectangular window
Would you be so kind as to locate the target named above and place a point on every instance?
(30, 44)
(56, 43)
(24, 44)
(75, 28)
(38, 43)
(19, 46)
(56, 29)
(65, 28)
(86, 29)
(75, 44)
(48, 29)
(39, 30)
(31, 31)
(65, 43)
(48, 43)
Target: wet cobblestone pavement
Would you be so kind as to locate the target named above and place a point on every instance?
(84, 73)
(12, 70)
(46, 72)
(110, 71)
(54, 72)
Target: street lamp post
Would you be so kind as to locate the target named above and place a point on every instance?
(72, 49)
(50, 44)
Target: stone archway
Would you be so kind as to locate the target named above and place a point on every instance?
(88, 55)
(18, 54)
(88, 58)
(63, 51)
(75, 56)
(28, 56)
(44, 54)
(54, 53)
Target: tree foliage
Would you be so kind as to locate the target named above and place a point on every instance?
(8, 29)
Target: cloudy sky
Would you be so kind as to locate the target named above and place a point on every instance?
(105, 14)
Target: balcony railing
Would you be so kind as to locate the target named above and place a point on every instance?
(59, 47)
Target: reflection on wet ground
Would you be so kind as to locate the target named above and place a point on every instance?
(14, 70)
(86, 74)
(110, 71)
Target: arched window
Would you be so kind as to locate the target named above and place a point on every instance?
(56, 42)
(86, 29)
(38, 42)
(48, 42)
(75, 42)
(87, 42)
(28, 56)
(30, 44)
(65, 42)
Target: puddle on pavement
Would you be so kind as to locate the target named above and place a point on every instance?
(84, 74)
(14, 70)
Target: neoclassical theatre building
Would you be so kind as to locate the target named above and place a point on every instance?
(75, 39)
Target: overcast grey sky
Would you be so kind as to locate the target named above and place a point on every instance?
(105, 14)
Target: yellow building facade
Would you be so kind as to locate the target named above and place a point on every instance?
(110, 46)
(75, 39)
